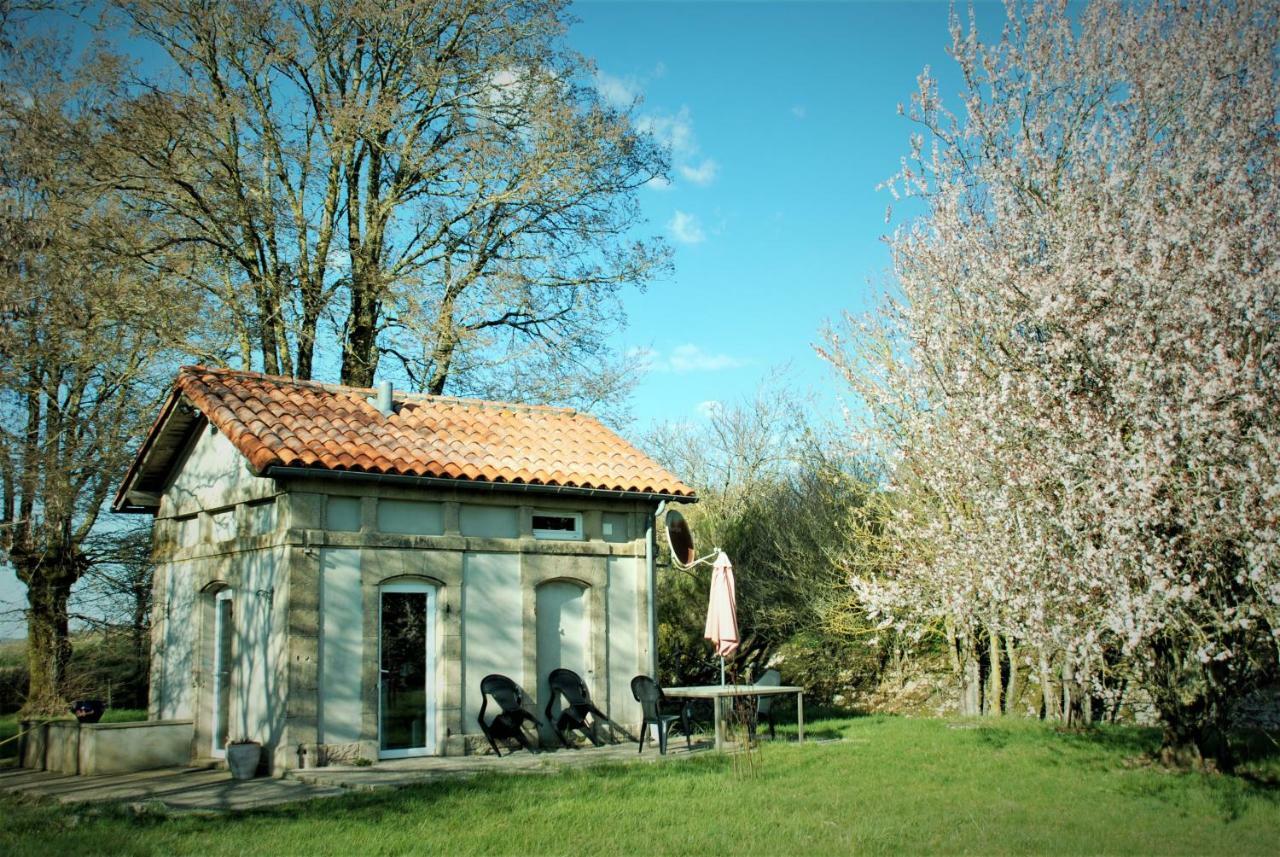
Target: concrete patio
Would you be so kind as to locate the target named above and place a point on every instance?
(213, 790)
(176, 789)
(398, 773)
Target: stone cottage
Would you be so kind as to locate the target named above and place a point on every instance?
(337, 568)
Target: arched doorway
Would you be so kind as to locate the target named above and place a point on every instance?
(406, 669)
(564, 633)
(223, 662)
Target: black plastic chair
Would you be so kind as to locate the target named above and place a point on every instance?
(578, 706)
(650, 697)
(764, 704)
(507, 723)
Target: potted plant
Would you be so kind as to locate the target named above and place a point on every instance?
(243, 755)
(88, 710)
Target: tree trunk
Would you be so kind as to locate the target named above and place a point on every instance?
(1193, 713)
(1068, 678)
(967, 670)
(441, 360)
(1011, 690)
(268, 344)
(995, 684)
(446, 336)
(360, 348)
(48, 643)
(1085, 682)
(312, 305)
(1049, 694)
(972, 684)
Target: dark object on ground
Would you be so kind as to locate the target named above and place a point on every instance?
(508, 722)
(573, 715)
(650, 697)
(88, 710)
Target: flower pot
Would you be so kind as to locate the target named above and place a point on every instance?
(88, 710)
(242, 759)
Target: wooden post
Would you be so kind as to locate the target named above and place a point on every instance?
(800, 715)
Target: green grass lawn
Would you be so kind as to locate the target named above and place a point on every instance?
(8, 728)
(892, 786)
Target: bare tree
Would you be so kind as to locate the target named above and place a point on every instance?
(83, 330)
(434, 177)
(114, 597)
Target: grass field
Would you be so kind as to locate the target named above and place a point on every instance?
(892, 786)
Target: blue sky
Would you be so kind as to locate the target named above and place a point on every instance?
(783, 119)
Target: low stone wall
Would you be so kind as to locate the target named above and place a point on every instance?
(62, 747)
(68, 747)
(110, 748)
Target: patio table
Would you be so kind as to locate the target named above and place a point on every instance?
(718, 693)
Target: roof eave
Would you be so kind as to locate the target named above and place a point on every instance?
(283, 472)
(127, 498)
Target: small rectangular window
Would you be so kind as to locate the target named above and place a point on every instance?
(557, 525)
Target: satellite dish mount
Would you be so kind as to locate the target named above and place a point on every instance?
(684, 555)
(680, 540)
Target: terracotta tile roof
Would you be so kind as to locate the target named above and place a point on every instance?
(276, 421)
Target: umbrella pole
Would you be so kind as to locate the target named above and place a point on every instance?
(722, 670)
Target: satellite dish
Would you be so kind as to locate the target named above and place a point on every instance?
(680, 540)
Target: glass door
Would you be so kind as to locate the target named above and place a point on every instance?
(406, 704)
(222, 633)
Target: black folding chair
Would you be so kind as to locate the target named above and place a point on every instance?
(509, 721)
(650, 697)
(577, 707)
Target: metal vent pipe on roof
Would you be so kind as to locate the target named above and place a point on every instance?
(382, 400)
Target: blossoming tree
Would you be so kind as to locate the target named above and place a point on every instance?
(1076, 381)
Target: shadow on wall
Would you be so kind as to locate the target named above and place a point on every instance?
(563, 628)
(174, 662)
(260, 652)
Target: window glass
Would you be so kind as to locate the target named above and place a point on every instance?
(557, 525)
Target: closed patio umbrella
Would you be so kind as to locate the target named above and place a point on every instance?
(722, 611)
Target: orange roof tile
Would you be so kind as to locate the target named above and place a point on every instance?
(277, 421)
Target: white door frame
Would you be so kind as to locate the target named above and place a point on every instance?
(429, 738)
(220, 667)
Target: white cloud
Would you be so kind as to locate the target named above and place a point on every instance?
(685, 228)
(618, 92)
(691, 358)
(673, 130)
(686, 358)
(708, 409)
(701, 175)
(799, 111)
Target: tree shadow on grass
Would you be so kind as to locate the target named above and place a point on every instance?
(1257, 775)
(1128, 740)
(490, 788)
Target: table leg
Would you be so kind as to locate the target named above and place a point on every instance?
(718, 711)
(800, 714)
